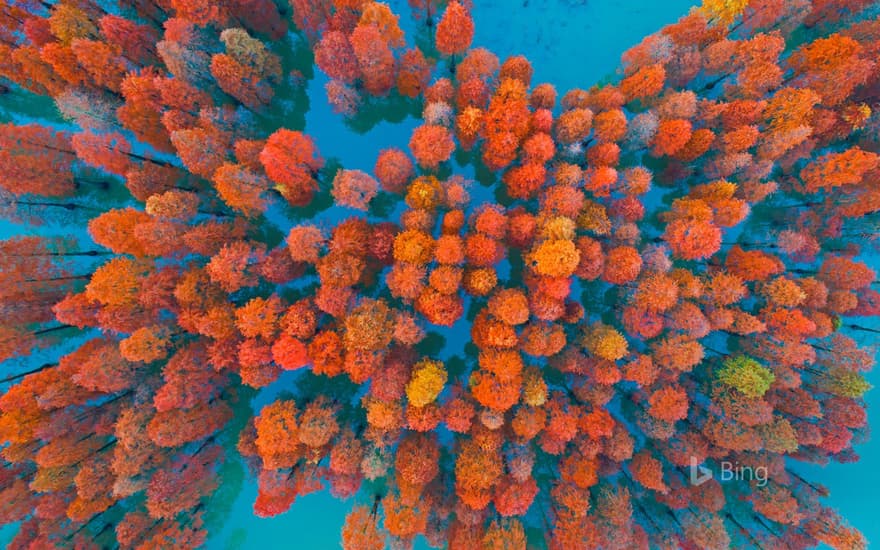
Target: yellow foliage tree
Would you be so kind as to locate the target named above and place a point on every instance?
(426, 383)
(605, 342)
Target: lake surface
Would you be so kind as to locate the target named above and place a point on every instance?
(571, 43)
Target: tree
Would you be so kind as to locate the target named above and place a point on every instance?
(260, 16)
(646, 82)
(234, 266)
(304, 243)
(178, 427)
(455, 31)
(361, 531)
(115, 229)
(151, 179)
(832, 66)
(68, 22)
(386, 22)
(671, 136)
(746, 375)
(344, 99)
(335, 56)
(241, 81)
(278, 435)
(241, 188)
(142, 111)
(116, 282)
(752, 265)
(505, 534)
(555, 258)
(605, 342)
(707, 531)
(247, 70)
(417, 459)
(414, 73)
(290, 353)
(669, 404)
(354, 189)
(187, 383)
(430, 145)
(648, 472)
(146, 344)
(497, 392)
(259, 317)
(622, 265)
(693, 239)
(100, 366)
(136, 42)
(375, 59)
(183, 484)
(657, 291)
(428, 380)
(843, 273)
(111, 152)
(317, 424)
(369, 326)
(573, 125)
(393, 170)
(102, 61)
(724, 12)
(839, 169)
(201, 150)
(35, 160)
(510, 305)
(525, 181)
(25, 66)
(291, 160)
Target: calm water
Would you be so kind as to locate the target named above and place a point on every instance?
(571, 43)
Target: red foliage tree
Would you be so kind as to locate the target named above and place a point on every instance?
(35, 160)
(375, 59)
(455, 31)
(431, 145)
(292, 161)
(334, 55)
(693, 239)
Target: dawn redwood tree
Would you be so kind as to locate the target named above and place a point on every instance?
(292, 162)
(36, 160)
(375, 58)
(455, 31)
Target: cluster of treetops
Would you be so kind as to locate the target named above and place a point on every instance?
(673, 270)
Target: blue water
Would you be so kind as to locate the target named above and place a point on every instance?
(571, 43)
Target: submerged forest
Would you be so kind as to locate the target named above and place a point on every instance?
(509, 315)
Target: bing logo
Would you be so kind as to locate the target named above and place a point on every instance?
(700, 474)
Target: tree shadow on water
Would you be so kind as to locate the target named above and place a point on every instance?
(393, 108)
